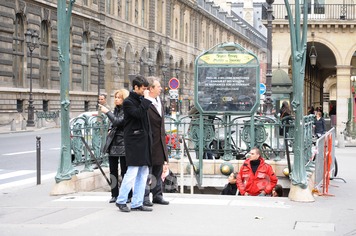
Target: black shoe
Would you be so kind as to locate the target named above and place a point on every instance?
(113, 199)
(147, 203)
(123, 207)
(160, 201)
(141, 208)
(128, 200)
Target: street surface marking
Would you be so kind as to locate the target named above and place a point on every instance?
(32, 180)
(314, 226)
(17, 153)
(16, 173)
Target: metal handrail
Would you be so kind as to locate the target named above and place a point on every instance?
(320, 12)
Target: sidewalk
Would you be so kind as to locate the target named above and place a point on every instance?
(16, 128)
(31, 211)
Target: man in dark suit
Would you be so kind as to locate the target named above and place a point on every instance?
(159, 147)
(137, 138)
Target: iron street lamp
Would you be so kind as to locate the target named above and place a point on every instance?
(268, 99)
(98, 52)
(32, 43)
(313, 54)
(164, 69)
(177, 70)
(150, 67)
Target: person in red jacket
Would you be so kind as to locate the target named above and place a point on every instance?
(256, 177)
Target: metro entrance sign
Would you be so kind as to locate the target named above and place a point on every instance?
(227, 80)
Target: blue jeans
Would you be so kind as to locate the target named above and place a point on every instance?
(136, 177)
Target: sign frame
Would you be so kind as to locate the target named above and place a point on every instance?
(227, 81)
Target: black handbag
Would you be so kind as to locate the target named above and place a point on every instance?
(109, 139)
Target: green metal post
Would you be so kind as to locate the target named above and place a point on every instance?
(65, 169)
(201, 146)
(298, 50)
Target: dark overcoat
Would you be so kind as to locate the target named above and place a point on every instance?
(115, 140)
(137, 131)
(159, 147)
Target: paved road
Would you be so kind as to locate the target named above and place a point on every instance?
(30, 210)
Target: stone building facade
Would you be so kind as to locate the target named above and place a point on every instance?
(331, 37)
(150, 37)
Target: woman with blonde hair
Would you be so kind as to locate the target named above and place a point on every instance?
(115, 141)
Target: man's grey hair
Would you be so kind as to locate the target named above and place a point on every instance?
(151, 80)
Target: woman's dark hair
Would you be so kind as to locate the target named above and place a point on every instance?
(140, 81)
(279, 190)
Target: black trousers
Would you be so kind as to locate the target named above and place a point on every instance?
(156, 183)
(114, 173)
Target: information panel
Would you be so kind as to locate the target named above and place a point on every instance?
(227, 81)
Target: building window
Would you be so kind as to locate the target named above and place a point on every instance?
(119, 8)
(86, 105)
(181, 26)
(19, 105)
(176, 29)
(127, 10)
(45, 105)
(108, 6)
(85, 62)
(159, 15)
(186, 33)
(44, 56)
(18, 51)
(172, 20)
(143, 14)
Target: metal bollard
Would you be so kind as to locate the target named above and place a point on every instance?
(23, 124)
(38, 160)
(341, 140)
(39, 123)
(13, 125)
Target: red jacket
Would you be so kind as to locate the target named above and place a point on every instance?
(263, 180)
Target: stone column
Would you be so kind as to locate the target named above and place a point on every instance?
(342, 94)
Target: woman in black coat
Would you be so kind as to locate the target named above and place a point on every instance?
(115, 142)
(285, 113)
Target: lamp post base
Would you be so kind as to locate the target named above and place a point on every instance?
(299, 194)
(31, 116)
(30, 123)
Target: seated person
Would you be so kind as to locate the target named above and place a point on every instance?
(277, 191)
(256, 177)
(169, 180)
(231, 187)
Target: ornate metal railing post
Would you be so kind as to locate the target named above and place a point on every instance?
(65, 169)
(299, 188)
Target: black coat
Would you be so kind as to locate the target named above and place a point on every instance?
(115, 140)
(159, 147)
(137, 131)
(229, 189)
